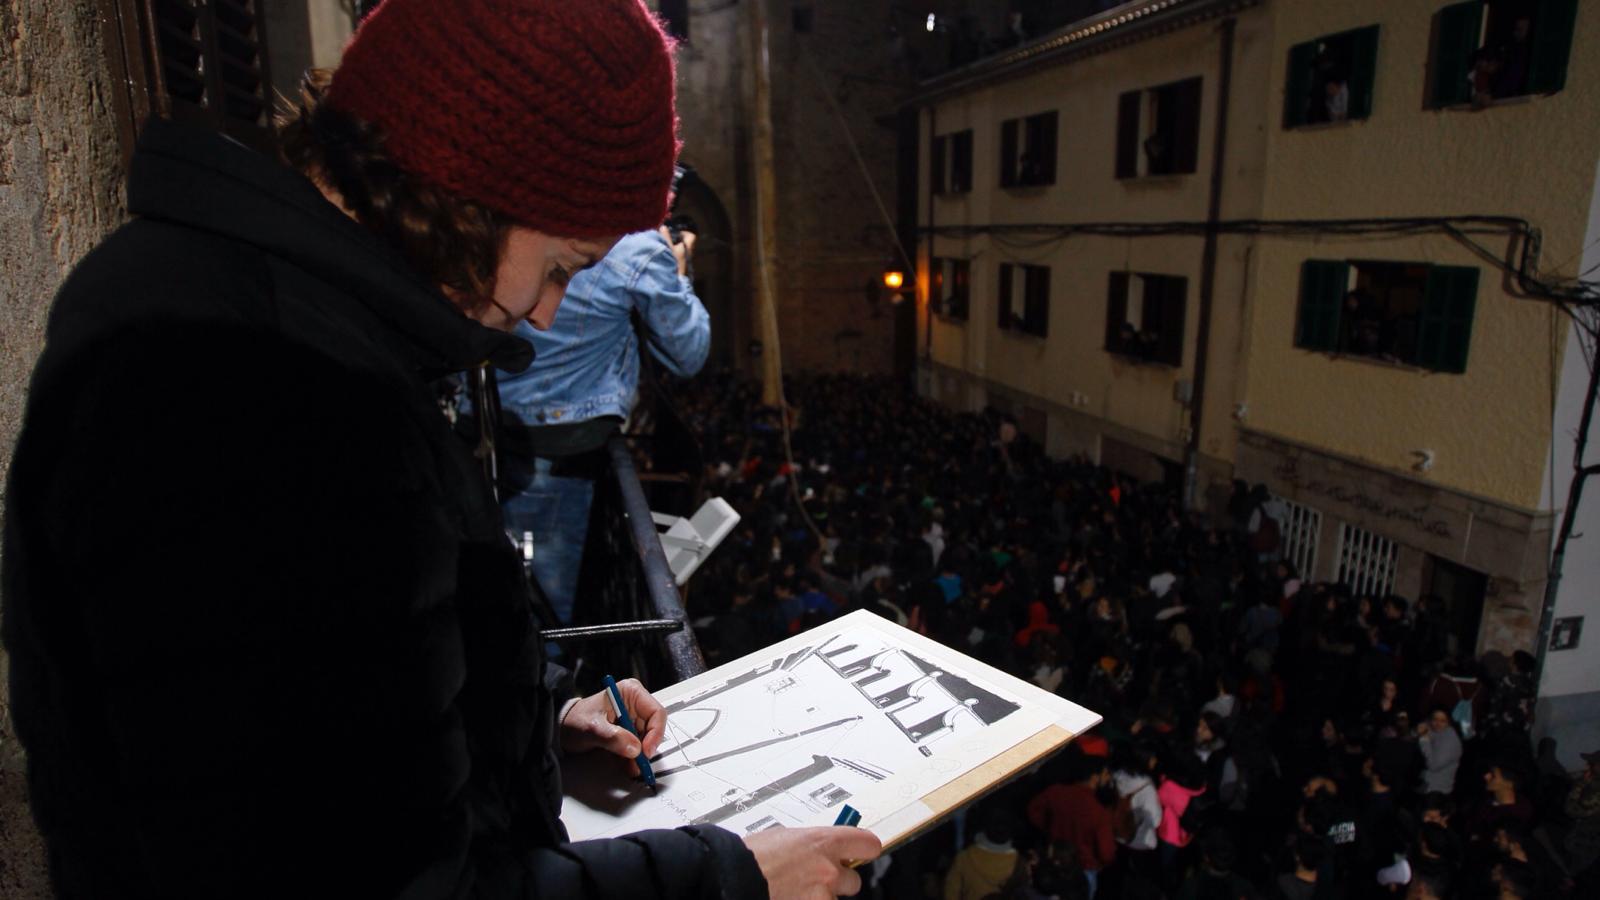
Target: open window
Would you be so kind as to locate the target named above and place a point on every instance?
(1406, 313)
(1028, 150)
(1489, 50)
(1144, 317)
(950, 288)
(1025, 299)
(1158, 130)
(950, 163)
(1331, 78)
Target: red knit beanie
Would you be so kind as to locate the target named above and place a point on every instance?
(556, 113)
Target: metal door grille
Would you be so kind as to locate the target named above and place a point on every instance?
(1366, 561)
(1300, 536)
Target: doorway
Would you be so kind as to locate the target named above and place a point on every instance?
(1461, 592)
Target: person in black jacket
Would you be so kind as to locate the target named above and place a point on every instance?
(267, 635)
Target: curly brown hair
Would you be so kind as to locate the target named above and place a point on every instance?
(453, 242)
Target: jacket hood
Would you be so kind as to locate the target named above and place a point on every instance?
(205, 180)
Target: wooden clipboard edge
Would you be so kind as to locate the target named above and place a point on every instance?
(986, 779)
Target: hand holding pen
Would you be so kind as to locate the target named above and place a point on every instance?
(592, 723)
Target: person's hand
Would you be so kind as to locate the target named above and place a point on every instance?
(591, 723)
(810, 863)
(682, 249)
(1422, 729)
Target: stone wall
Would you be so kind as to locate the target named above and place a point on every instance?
(60, 192)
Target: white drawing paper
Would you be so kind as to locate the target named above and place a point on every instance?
(857, 711)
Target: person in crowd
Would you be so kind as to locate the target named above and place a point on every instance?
(985, 867)
(1582, 807)
(1077, 814)
(1441, 752)
(1502, 802)
(1300, 882)
(362, 707)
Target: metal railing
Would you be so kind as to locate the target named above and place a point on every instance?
(630, 616)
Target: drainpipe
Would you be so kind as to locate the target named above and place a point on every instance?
(1208, 271)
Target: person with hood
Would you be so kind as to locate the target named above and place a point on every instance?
(272, 640)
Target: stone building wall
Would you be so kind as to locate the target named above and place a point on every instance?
(60, 192)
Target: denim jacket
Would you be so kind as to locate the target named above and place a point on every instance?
(587, 364)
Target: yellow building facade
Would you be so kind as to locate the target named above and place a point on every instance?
(1388, 381)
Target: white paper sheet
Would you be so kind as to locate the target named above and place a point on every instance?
(857, 711)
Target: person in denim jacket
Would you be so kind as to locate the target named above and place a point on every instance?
(580, 388)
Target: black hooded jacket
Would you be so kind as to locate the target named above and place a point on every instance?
(267, 636)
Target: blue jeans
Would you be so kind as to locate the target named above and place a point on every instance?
(553, 507)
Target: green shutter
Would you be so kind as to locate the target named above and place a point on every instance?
(1445, 331)
(1363, 70)
(1456, 37)
(1128, 110)
(1552, 45)
(1297, 88)
(1323, 284)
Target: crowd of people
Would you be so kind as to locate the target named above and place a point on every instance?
(1263, 736)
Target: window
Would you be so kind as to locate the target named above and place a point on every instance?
(1331, 78)
(1487, 50)
(1144, 317)
(950, 287)
(1366, 561)
(1410, 313)
(1028, 151)
(1025, 299)
(802, 16)
(950, 163)
(1158, 130)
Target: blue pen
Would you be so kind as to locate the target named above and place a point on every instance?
(626, 721)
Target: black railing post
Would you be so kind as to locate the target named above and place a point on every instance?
(683, 651)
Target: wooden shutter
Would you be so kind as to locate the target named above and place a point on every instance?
(936, 165)
(1116, 311)
(1297, 86)
(1456, 31)
(1323, 284)
(1128, 109)
(1005, 296)
(961, 162)
(1171, 309)
(1363, 70)
(1186, 149)
(1445, 332)
(1552, 45)
(210, 66)
(1037, 302)
(1008, 152)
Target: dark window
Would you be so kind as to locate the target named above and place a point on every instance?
(961, 162)
(951, 287)
(207, 64)
(1331, 78)
(950, 163)
(1028, 151)
(1158, 130)
(803, 19)
(1487, 50)
(1409, 313)
(1025, 299)
(1144, 317)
